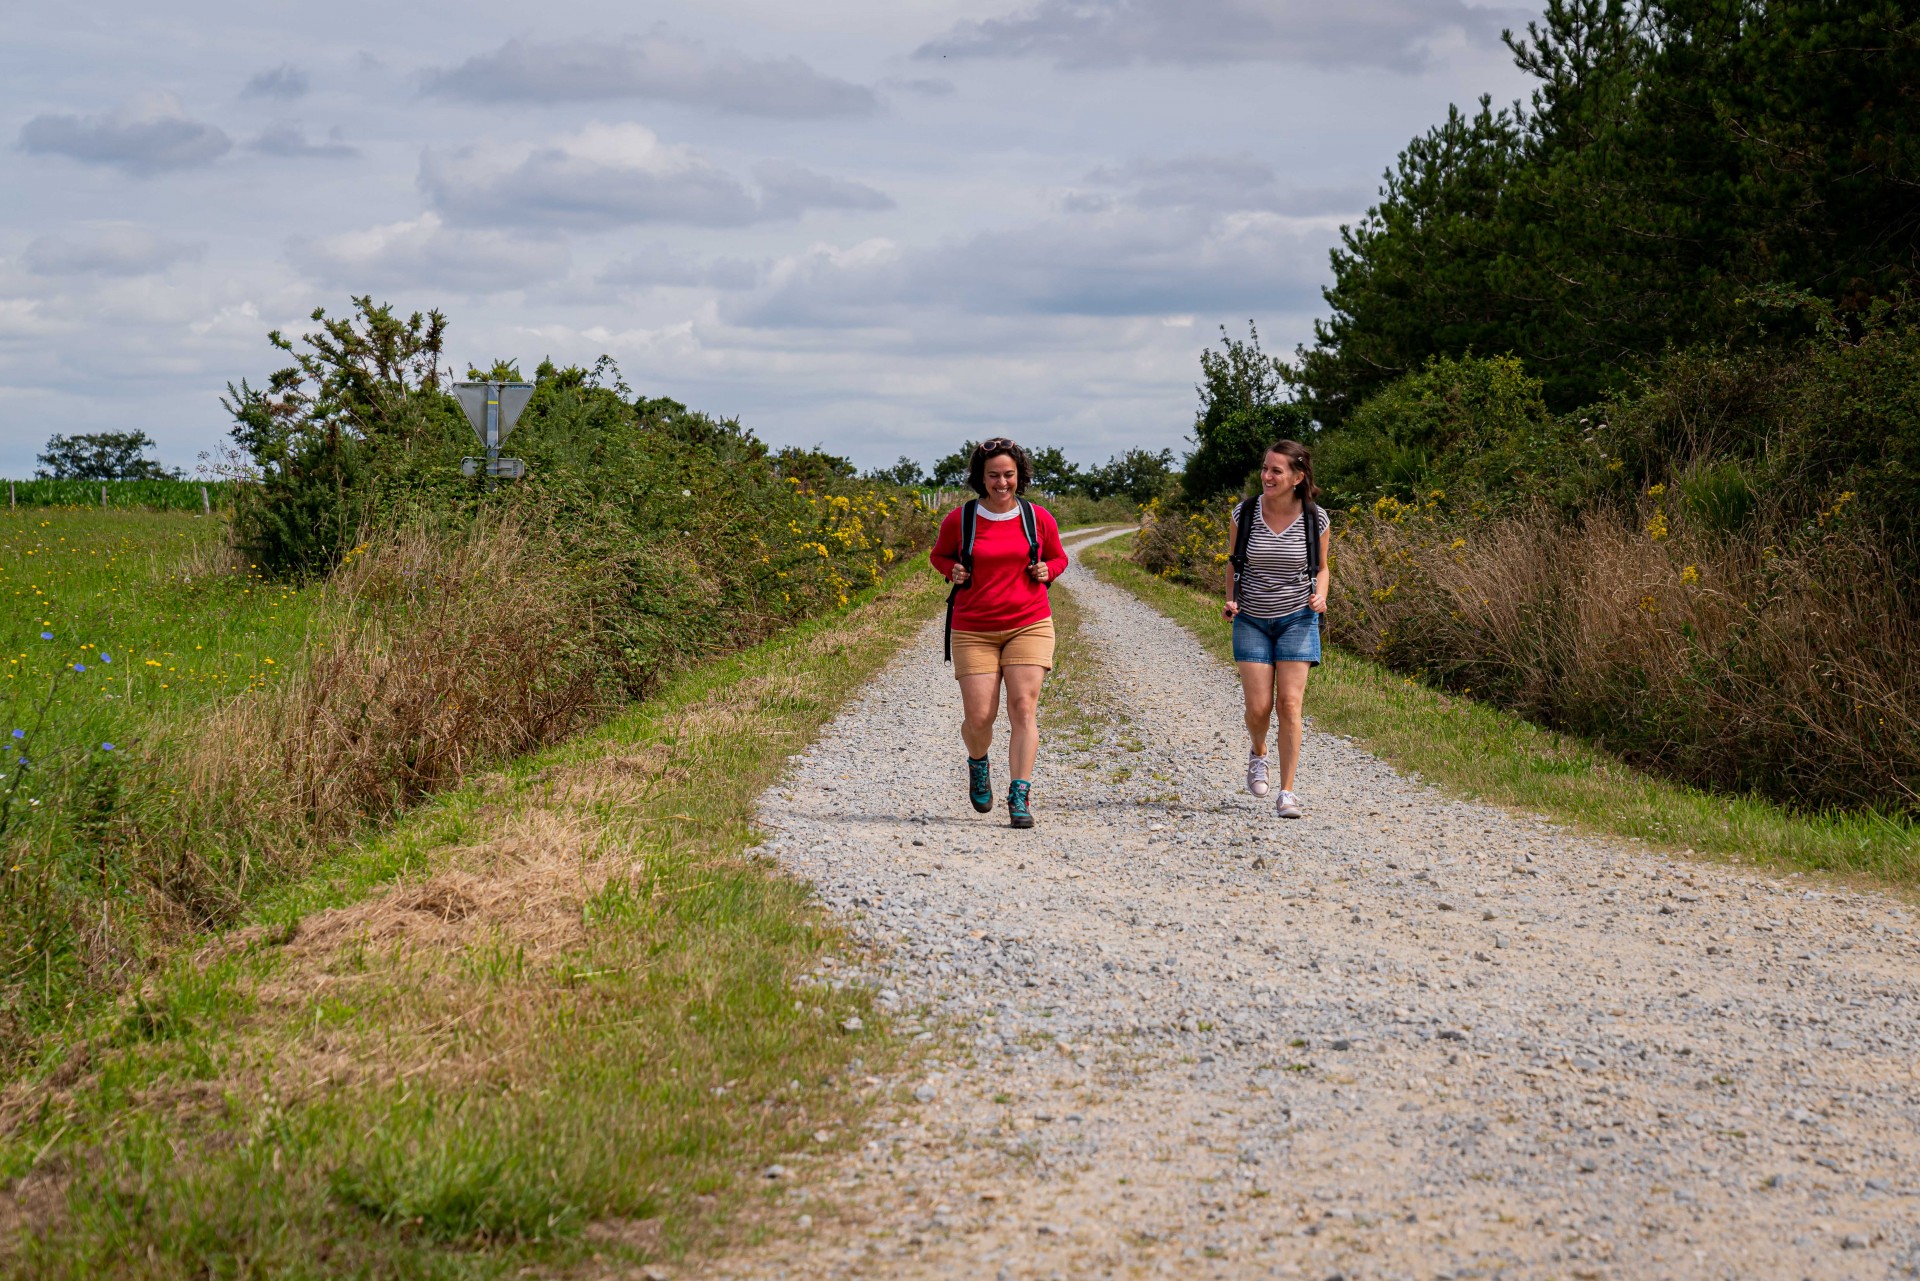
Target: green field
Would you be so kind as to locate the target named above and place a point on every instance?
(120, 495)
(117, 618)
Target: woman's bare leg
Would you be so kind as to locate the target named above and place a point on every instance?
(980, 703)
(1256, 683)
(1289, 688)
(1023, 719)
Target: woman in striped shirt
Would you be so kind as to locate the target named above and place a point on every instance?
(1275, 602)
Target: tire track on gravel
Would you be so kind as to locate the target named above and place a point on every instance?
(1404, 1037)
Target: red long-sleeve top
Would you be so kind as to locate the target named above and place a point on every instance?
(1000, 596)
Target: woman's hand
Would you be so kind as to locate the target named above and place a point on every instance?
(1318, 602)
(1038, 571)
(959, 576)
(1232, 609)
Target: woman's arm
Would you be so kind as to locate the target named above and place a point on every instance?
(1324, 578)
(945, 554)
(1233, 537)
(1053, 553)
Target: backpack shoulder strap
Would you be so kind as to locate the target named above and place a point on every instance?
(1243, 533)
(1030, 526)
(968, 524)
(1310, 519)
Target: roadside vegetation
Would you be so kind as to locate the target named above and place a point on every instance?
(1609, 446)
(560, 1013)
(1489, 754)
(198, 711)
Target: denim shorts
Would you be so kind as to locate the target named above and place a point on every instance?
(1291, 638)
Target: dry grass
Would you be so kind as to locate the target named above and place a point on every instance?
(432, 655)
(572, 1028)
(1722, 661)
(1475, 749)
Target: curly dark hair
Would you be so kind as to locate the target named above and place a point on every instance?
(999, 445)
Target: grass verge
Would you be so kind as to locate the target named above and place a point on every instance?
(556, 1015)
(1490, 755)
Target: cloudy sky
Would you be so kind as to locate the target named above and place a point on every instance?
(878, 226)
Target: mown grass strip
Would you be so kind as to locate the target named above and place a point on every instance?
(1487, 754)
(562, 1012)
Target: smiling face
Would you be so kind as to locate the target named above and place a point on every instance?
(1002, 479)
(1278, 475)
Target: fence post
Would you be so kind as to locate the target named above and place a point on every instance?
(11, 500)
(206, 505)
(103, 498)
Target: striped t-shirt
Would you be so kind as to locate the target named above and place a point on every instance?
(1276, 582)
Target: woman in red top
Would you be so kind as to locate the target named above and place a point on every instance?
(1002, 621)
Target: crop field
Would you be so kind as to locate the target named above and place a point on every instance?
(113, 620)
(120, 495)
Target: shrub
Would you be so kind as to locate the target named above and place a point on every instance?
(1792, 672)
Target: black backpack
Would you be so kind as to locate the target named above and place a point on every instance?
(969, 523)
(1243, 534)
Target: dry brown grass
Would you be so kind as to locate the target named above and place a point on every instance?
(433, 654)
(1724, 661)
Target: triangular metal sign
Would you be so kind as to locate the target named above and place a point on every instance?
(493, 408)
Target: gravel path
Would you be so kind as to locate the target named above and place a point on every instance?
(1404, 1037)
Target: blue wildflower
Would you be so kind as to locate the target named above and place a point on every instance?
(19, 733)
(46, 635)
(106, 747)
(79, 667)
(106, 658)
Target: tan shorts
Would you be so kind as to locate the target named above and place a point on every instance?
(975, 653)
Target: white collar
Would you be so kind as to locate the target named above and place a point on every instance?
(980, 509)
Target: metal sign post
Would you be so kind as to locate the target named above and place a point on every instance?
(493, 408)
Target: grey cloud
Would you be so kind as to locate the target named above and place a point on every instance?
(659, 65)
(663, 266)
(621, 175)
(145, 136)
(290, 142)
(926, 87)
(1214, 182)
(788, 191)
(1131, 263)
(1392, 34)
(118, 250)
(285, 82)
(425, 253)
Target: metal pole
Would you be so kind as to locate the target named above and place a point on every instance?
(206, 504)
(103, 498)
(494, 391)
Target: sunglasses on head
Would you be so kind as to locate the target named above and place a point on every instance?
(998, 442)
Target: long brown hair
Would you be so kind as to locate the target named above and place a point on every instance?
(1302, 459)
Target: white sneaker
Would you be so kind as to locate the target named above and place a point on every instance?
(1257, 775)
(1287, 805)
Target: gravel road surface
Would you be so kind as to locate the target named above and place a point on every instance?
(1403, 1037)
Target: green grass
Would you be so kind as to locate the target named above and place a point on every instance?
(153, 495)
(1479, 751)
(555, 1014)
(144, 602)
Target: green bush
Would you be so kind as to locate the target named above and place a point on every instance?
(1475, 428)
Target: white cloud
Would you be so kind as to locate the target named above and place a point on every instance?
(146, 135)
(424, 253)
(1397, 35)
(114, 249)
(620, 175)
(660, 66)
(662, 265)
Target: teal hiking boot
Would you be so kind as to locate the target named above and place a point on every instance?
(1017, 812)
(980, 784)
